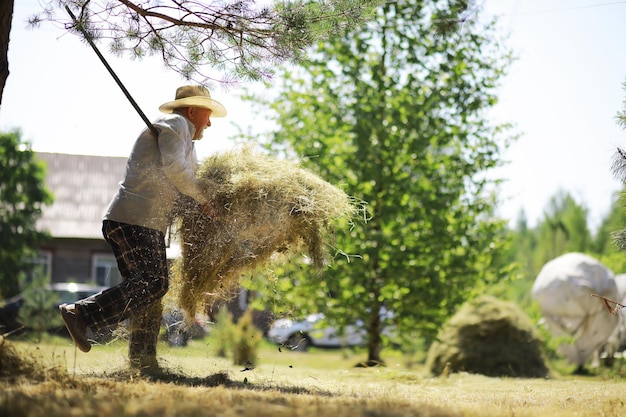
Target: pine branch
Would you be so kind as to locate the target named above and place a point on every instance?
(618, 164)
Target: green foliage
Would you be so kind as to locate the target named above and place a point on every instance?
(621, 115)
(38, 312)
(222, 333)
(613, 239)
(246, 341)
(239, 340)
(616, 262)
(394, 113)
(22, 196)
(202, 41)
(614, 221)
(562, 229)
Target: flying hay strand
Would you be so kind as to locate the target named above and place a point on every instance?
(266, 207)
(613, 307)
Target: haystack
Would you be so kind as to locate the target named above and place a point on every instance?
(266, 207)
(490, 337)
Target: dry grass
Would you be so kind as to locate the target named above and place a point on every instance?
(200, 384)
(491, 337)
(267, 209)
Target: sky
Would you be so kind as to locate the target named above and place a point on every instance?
(562, 94)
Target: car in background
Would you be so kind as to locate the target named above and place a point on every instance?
(299, 335)
(63, 292)
(177, 330)
(68, 292)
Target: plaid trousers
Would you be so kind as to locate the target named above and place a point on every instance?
(142, 261)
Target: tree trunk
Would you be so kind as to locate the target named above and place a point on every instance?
(375, 341)
(6, 16)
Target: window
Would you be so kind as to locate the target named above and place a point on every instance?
(41, 267)
(105, 270)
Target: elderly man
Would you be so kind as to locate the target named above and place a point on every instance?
(159, 169)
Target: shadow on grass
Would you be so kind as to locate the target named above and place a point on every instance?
(169, 376)
(16, 365)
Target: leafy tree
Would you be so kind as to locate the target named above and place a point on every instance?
(202, 41)
(22, 195)
(614, 221)
(395, 113)
(563, 229)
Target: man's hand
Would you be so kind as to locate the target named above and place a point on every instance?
(209, 210)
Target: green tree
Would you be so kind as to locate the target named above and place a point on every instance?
(619, 170)
(563, 229)
(395, 113)
(605, 246)
(523, 242)
(22, 195)
(614, 221)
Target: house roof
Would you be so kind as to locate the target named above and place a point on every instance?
(82, 186)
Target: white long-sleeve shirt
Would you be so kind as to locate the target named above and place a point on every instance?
(156, 172)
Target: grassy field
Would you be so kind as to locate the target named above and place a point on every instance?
(314, 384)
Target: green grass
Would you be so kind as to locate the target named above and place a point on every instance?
(318, 383)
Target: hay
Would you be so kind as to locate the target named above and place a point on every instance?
(15, 364)
(489, 337)
(11, 363)
(266, 207)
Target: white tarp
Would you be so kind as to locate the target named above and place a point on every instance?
(564, 289)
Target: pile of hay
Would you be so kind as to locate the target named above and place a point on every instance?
(266, 207)
(11, 363)
(14, 365)
(489, 337)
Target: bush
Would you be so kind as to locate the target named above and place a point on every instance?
(222, 334)
(38, 312)
(247, 339)
(239, 340)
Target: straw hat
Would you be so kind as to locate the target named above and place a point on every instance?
(194, 96)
